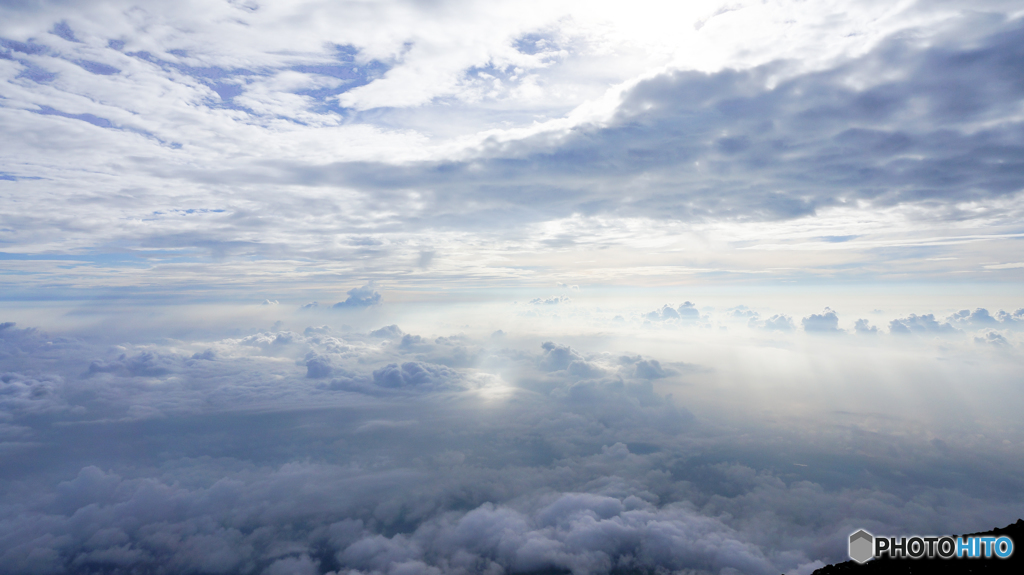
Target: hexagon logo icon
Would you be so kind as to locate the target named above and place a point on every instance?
(860, 546)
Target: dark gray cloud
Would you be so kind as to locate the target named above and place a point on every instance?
(318, 366)
(981, 318)
(993, 338)
(903, 123)
(553, 300)
(623, 440)
(777, 322)
(558, 356)
(863, 326)
(686, 312)
(389, 331)
(651, 369)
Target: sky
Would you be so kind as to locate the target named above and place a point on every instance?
(454, 287)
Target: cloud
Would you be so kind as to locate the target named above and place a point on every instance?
(920, 324)
(584, 369)
(861, 326)
(206, 354)
(360, 297)
(318, 366)
(22, 394)
(777, 322)
(686, 313)
(665, 313)
(993, 338)
(825, 322)
(414, 374)
(743, 312)
(981, 318)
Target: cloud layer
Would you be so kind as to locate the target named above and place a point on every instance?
(325, 449)
(204, 152)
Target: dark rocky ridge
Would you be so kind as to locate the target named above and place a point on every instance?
(1014, 564)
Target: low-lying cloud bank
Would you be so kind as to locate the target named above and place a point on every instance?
(320, 450)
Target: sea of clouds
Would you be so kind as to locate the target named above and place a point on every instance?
(679, 439)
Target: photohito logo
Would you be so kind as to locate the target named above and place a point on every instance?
(860, 546)
(865, 546)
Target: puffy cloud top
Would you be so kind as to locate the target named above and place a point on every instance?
(825, 322)
(361, 297)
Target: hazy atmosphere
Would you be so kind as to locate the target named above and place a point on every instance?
(456, 287)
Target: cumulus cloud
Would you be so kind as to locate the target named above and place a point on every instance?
(164, 154)
(743, 312)
(146, 363)
(425, 259)
(665, 313)
(981, 318)
(388, 331)
(1011, 319)
(781, 124)
(777, 322)
(414, 374)
(825, 322)
(361, 297)
(651, 369)
(557, 356)
(993, 338)
(316, 330)
(862, 326)
(826, 139)
(920, 324)
(206, 354)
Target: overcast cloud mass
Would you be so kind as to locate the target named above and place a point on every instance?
(457, 287)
